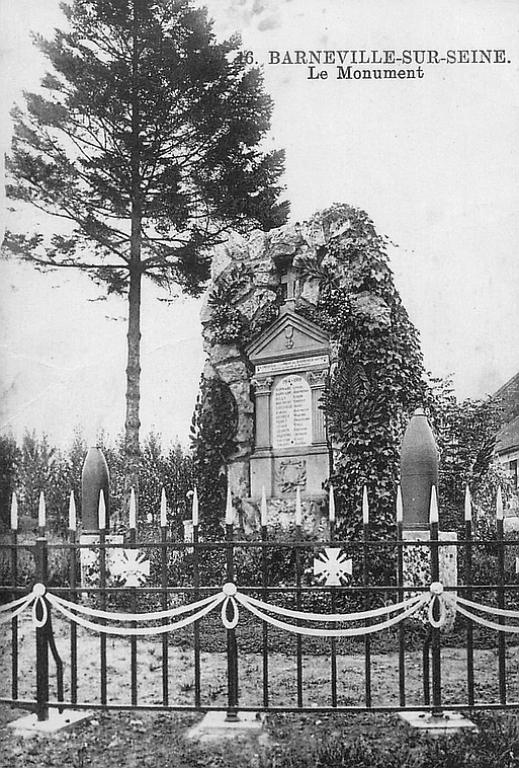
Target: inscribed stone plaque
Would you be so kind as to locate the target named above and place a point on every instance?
(292, 413)
(285, 366)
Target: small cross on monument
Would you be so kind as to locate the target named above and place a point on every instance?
(333, 566)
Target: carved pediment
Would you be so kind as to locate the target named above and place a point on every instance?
(290, 336)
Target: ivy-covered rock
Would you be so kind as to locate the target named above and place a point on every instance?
(345, 284)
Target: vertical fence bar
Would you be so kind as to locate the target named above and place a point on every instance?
(14, 621)
(73, 625)
(333, 640)
(501, 643)
(468, 592)
(435, 576)
(164, 606)
(42, 643)
(133, 638)
(401, 628)
(102, 598)
(365, 582)
(299, 644)
(196, 625)
(265, 631)
(232, 649)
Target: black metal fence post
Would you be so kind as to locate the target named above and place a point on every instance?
(435, 645)
(365, 600)
(265, 631)
(164, 606)
(299, 608)
(232, 648)
(73, 625)
(401, 628)
(196, 625)
(103, 605)
(468, 593)
(132, 539)
(14, 622)
(501, 643)
(42, 644)
(333, 645)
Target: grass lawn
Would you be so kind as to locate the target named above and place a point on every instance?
(127, 740)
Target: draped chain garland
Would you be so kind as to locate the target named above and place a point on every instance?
(229, 598)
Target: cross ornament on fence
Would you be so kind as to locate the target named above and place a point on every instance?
(130, 566)
(333, 566)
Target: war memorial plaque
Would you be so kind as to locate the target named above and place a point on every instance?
(292, 413)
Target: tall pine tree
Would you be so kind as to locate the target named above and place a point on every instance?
(146, 136)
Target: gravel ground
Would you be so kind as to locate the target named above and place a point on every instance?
(282, 672)
(136, 739)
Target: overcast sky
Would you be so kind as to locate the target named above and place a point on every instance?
(434, 161)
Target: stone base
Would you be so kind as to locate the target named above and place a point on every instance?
(215, 726)
(446, 722)
(57, 721)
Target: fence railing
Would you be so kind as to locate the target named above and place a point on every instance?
(328, 596)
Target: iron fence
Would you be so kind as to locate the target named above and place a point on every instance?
(359, 611)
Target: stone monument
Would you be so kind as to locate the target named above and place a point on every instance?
(267, 346)
(276, 369)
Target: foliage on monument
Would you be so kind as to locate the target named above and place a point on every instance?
(264, 317)
(213, 429)
(145, 139)
(228, 324)
(465, 434)
(378, 377)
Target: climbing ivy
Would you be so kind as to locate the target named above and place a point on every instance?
(213, 429)
(378, 378)
(228, 324)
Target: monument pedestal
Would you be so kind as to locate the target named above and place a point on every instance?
(215, 726)
(445, 723)
(29, 725)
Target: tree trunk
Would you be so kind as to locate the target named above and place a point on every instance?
(133, 370)
(133, 373)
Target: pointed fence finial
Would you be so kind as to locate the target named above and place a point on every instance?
(163, 509)
(263, 507)
(299, 511)
(72, 512)
(468, 505)
(331, 504)
(229, 510)
(42, 513)
(499, 504)
(133, 510)
(399, 505)
(433, 508)
(101, 511)
(14, 512)
(365, 506)
(194, 507)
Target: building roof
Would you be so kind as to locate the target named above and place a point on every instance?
(508, 437)
(508, 394)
